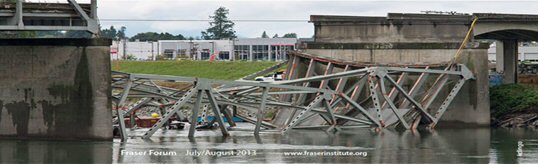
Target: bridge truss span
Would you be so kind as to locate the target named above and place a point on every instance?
(340, 96)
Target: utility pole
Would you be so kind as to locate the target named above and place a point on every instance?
(152, 55)
(124, 48)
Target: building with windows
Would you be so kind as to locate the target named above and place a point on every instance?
(250, 49)
(273, 49)
(196, 49)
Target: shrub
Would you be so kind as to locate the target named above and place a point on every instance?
(513, 98)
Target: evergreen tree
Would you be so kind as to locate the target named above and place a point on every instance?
(221, 26)
(110, 33)
(121, 33)
(290, 35)
(275, 36)
(264, 35)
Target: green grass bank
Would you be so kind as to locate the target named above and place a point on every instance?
(224, 70)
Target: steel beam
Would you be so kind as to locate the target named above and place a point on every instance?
(169, 114)
(194, 115)
(259, 116)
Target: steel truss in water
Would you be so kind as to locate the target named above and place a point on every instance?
(356, 97)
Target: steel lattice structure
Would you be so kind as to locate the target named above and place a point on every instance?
(18, 15)
(359, 97)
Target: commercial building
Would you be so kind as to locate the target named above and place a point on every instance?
(138, 50)
(273, 49)
(196, 49)
(526, 52)
(249, 49)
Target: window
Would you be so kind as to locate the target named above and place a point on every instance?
(169, 53)
(287, 50)
(182, 53)
(242, 52)
(275, 53)
(280, 52)
(260, 52)
(224, 55)
(205, 53)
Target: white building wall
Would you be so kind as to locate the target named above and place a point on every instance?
(524, 53)
(202, 49)
(140, 50)
(196, 48)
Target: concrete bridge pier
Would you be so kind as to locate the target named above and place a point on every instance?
(507, 60)
(55, 89)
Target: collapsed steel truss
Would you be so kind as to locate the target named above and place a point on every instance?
(356, 97)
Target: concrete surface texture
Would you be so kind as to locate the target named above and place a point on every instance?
(395, 27)
(55, 88)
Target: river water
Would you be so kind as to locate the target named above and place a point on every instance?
(348, 146)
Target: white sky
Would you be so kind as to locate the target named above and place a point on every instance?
(275, 9)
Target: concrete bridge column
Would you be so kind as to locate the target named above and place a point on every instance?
(55, 89)
(507, 56)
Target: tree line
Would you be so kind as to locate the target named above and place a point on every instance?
(221, 27)
(288, 35)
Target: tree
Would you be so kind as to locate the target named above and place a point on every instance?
(221, 26)
(290, 35)
(264, 35)
(146, 36)
(153, 36)
(110, 33)
(275, 36)
(121, 33)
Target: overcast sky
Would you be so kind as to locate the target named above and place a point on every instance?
(276, 9)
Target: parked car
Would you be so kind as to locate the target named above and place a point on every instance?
(277, 76)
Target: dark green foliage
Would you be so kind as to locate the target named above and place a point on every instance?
(513, 98)
(121, 33)
(290, 35)
(153, 36)
(264, 35)
(113, 34)
(221, 26)
(110, 33)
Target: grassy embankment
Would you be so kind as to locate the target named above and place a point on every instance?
(203, 69)
(513, 99)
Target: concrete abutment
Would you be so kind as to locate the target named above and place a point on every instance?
(55, 89)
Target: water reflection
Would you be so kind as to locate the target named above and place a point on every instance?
(14, 151)
(504, 146)
(439, 146)
(454, 146)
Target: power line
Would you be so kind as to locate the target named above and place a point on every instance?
(201, 20)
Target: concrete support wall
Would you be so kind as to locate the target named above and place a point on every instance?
(471, 105)
(388, 56)
(499, 56)
(509, 57)
(403, 28)
(55, 88)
